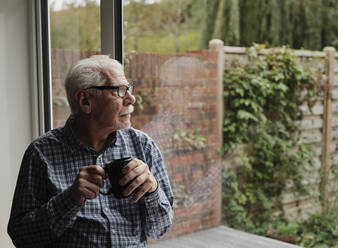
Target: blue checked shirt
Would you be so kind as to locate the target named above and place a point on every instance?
(43, 214)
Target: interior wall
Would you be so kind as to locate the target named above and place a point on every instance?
(15, 101)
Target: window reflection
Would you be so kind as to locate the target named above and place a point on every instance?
(176, 98)
(74, 34)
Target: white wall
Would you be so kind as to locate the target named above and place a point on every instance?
(15, 106)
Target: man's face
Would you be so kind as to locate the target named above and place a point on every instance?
(111, 111)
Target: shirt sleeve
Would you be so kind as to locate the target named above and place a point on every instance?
(36, 218)
(157, 207)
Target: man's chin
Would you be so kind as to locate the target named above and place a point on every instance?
(123, 126)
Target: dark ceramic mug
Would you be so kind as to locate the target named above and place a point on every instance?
(114, 173)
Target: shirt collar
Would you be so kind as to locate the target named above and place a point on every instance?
(73, 141)
(69, 134)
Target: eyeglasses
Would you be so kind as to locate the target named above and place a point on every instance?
(121, 90)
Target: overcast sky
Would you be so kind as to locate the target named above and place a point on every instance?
(58, 4)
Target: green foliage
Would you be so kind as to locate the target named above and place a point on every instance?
(208, 24)
(284, 229)
(183, 197)
(145, 98)
(194, 139)
(139, 102)
(162, 43)
(320, 230)
(181, 25)
(163, 26)
(76, 27)
(227, 22)
(262, 114)
(309, 24)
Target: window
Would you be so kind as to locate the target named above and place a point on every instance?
(72, 30)
(74, 34)
(176, 101)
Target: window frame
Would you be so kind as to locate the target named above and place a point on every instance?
(39, 67)
(111, 44)
(112, 28)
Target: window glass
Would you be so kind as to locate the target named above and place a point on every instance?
(162, 25)
(74, 35)
(176, 102)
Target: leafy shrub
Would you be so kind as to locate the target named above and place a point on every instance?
(262, 114)
(320, 230)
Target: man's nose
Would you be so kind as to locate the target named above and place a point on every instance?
(129, 99)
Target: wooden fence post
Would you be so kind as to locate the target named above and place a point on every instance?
(327, 126)
(218, 45)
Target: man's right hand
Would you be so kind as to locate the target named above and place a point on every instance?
(87, 183)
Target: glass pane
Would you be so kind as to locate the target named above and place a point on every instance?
(74, 34)
(176, 102)
(162, 25)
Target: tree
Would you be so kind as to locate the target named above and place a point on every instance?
(76, 27)
(330, 30)
(314, 25)
(174, 18)
(227, 22)
(137, 21)
(149, 26)
(208, 27)
(167, 21)
(309, 24)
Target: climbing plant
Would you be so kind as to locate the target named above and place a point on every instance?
(262, 116)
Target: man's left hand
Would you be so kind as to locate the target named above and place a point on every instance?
(143, 179)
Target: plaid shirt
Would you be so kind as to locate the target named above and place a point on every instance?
(43, 214)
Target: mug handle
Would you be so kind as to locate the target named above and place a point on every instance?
(110, 191)
(106, 193)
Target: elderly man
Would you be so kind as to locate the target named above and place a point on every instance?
(57, 201)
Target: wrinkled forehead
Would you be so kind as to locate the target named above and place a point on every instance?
(115, 77)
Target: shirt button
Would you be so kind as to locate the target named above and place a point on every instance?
(113, 230)
(106, 209)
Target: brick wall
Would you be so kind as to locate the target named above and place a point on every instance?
(177, 95)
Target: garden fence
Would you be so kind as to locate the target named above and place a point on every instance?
(319, 124)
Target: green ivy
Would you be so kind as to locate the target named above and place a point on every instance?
(194, 139)
(183, 196)
(320, 230)
(145, 98)
(262, 116)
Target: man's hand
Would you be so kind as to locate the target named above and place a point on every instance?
(87, 183)
(143, 179)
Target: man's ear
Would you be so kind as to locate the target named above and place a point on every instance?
(84, 101)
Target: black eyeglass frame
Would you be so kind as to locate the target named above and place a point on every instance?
(120, 92)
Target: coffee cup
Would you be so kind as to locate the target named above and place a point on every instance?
(114, 173)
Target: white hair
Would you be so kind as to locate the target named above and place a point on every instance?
(86, 73)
